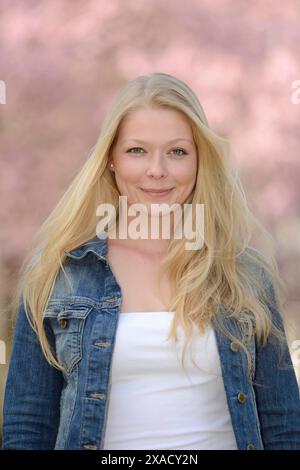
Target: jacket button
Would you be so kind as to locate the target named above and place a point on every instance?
(241, 397)
(250, 447)
(63, 323)
(234, 346)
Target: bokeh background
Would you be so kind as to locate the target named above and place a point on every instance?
(62, 63)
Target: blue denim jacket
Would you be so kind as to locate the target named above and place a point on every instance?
(47, 409)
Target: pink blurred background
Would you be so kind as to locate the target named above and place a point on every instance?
(62, 63)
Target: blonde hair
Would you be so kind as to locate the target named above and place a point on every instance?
(224, 271)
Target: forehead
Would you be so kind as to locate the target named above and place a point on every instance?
(144, 123)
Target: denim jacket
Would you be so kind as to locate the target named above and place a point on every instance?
(45, 408)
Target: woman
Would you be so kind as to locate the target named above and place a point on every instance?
(92, 364)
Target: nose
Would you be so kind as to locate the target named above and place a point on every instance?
(156, 167)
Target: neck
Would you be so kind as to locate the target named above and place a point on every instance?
(149, 230)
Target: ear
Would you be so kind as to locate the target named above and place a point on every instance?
(111, 165)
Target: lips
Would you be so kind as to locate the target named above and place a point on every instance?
(157, 192)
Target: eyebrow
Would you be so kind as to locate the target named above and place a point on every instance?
(170, 141)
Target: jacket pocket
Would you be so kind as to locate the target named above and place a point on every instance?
(67, 323)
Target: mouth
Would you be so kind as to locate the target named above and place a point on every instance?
(157, 192)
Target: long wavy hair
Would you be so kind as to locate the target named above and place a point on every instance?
(224, 271)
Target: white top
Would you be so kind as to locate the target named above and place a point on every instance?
(156, 404)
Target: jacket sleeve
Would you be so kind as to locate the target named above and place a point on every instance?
(278, 398)
(32, 392)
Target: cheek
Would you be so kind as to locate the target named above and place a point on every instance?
(187, 176)
(127, 171)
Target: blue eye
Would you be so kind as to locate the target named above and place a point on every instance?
(181, 150)
(133, 148)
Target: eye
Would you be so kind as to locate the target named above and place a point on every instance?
(181, 150)
(133, 148)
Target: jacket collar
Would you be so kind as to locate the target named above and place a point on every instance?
(95, 245)
(99, 247)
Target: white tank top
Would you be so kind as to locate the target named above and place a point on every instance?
(156, 404)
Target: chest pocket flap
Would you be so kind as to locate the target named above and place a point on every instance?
(67, 323)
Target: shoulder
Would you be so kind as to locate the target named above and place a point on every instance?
(258, 268)
(265, 282)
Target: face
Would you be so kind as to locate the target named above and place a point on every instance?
(155, 151)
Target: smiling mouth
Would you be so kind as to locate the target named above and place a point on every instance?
(157, 192)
